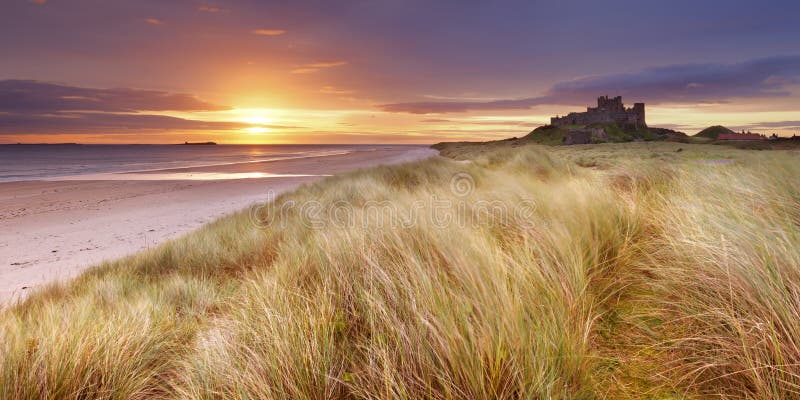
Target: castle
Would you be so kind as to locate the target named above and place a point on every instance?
(607, 111)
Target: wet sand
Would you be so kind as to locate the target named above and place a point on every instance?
(53, 230)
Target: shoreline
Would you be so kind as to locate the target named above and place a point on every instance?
(52, 230)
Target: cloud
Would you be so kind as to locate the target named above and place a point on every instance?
(38, 1)
(684, 83)
(458, 98)
(304, 70)
(34, 96)
(502, 123)
(63, 123)
(776, 124)
(764, 77)
(210, 9)
(326, 64)
(268, 32)
(154, 21)
(480, 122)
(334, 90)
(441, 107)
(37, 107)
(316, 66)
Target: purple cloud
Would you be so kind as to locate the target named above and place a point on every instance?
(104, 123)
(34, 96)
(441, 107)
(37, 107)
(776, 124)
(686, 83)
(492, 122)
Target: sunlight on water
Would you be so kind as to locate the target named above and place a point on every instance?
(66, 162)
(174, 176)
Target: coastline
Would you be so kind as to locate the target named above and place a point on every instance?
(80, 221)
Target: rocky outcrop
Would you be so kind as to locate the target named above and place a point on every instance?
(585, 136)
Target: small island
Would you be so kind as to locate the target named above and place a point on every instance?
(199, 143)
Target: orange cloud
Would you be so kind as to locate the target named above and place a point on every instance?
(304, 70)
(211, 9)
(39, 1)
(334, 90)
(269, 32)
(326, 64)
(154, 21)
(316, 66)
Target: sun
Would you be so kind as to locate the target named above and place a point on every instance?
(256, 129)
(254, 116)
(257, 119)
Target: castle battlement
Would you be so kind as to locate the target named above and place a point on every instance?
(608, 110)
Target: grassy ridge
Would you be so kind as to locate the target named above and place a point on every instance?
(555, 135)
(634, 271)
(712, 132)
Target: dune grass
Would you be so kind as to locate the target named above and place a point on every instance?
(609, 271)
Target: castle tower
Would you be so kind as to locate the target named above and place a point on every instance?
(638, 110)
(612, 104)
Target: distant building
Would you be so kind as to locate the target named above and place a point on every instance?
(740, 136)
(608, 110)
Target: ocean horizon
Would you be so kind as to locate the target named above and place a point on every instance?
(30, 162)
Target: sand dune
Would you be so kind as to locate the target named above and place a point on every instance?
(51, 230)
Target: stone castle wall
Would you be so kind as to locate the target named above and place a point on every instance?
(608, 110)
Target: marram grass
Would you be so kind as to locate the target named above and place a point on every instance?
(589, 272)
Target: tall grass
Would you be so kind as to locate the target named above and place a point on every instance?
(576, 273)
(728, 278)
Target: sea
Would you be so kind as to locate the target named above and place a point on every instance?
(27, 162)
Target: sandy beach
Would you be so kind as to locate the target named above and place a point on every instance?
(53, 230)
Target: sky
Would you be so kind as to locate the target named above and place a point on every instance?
(386, 71)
